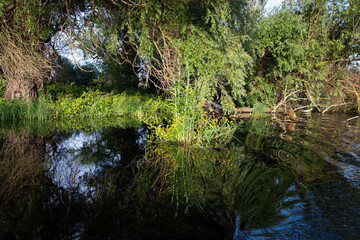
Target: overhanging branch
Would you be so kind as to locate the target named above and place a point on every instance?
(342, 60)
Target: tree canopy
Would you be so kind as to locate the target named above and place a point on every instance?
(224, 50)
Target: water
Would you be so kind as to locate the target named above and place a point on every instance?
(329, 206)
(274, 180)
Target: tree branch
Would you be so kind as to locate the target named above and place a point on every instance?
(336, 105)
(342, 60)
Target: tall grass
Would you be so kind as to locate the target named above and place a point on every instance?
(16, 110)
(181, 119)
(191, 124)
(92, 106)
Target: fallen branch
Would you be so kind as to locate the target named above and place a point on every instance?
(284, 101)
(351, 119)
(298, 108)
(251, 110)
(335, 105)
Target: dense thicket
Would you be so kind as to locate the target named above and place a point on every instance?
(306, 46)
(173, 45)
(218, 50)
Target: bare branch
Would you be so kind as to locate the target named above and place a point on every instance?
(352, 118)
(335, 105)
(284, 100)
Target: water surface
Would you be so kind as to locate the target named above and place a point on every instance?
(274, 180)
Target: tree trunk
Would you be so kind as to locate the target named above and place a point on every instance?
(24, 88)
(25, 66)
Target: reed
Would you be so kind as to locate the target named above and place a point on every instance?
(191, 124)
(92, 105)
(17, 110)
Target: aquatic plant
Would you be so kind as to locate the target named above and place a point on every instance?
(190, 123)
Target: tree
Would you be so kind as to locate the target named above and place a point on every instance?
(172, 44)
(301, 47)
(26, 29)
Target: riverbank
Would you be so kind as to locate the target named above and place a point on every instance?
(184, 119)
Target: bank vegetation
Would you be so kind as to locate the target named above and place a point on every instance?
(302, 55)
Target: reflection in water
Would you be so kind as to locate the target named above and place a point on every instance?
(308, 165)
(330, 206)
(77, 158)
(223, 184)
(293, 182)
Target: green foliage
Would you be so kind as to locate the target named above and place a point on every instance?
(17, 110)
(280, 52)
(215, 63)
(95, 104)
(32, 19)
(259, 110)
(59, 90)
(190, 50)
(92, 107)
(2, 87)
(87, 105)
(3, 5)
(297, 48)
(178, 41)
(280, 38)
(191, 125)
(118, 75)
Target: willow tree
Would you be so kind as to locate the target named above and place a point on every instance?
(172, 45)
(302, 47)
(26, 28)
(194, 46)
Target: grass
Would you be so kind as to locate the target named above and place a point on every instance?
(181, 119)
(90, 106)
(16, 110)
(191, 124)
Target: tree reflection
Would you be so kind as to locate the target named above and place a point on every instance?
(308, 165)
(21, 176)
(103, 185)
(222, 184)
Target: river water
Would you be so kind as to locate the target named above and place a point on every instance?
(274, 180)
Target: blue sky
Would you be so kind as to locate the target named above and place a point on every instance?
(272, 3)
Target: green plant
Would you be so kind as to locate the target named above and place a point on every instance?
(190, 123)
(259, 110)
(2, 87)
(18, 110)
